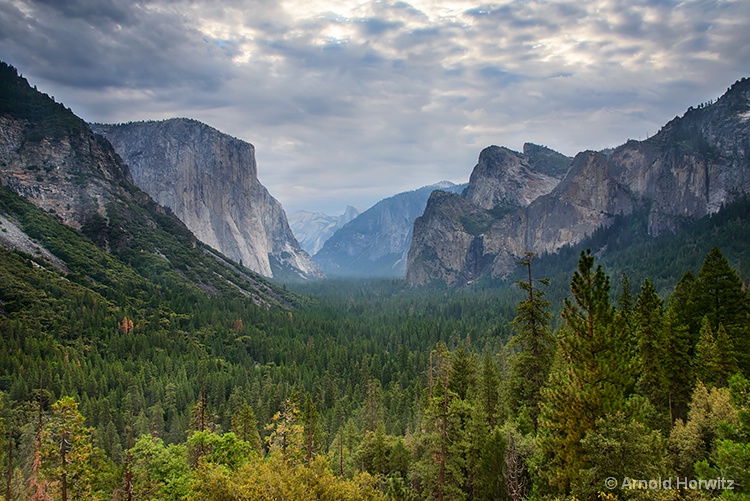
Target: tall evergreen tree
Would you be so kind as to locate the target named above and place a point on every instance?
(287, 434)
(313, 429)
(589, 381)
(719, 296)
(679, 363)
(726, 356)
(202, 420)
(245, 425)
(463, 374)
(625, 300)
(489, 388)
(67, 450)
(625, 305)
(535, 345)
(715, 358)
(651, 355)
(682, 308)
(373, 405)
(706, 357)
(431, 474)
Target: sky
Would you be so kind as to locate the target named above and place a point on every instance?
(349, 102)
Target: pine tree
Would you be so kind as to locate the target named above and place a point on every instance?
(38, 485)
(625, 300)
(680, 349)
(530, 365)
(651, 354)
(245, 425)
(287, 434)
(589, 380)
(489, 386)
(313, 429)
(625, 305)
(515, 470)
(467, 429)
(67, 450)
(373, 405)
(726, 357)
(715, 358)
(682, 308)
(719, 296)
(437, 418)
(463, 376)
(202, 420)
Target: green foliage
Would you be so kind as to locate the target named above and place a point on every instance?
(590, 380)
(412, 393)
(621, 446)
(533, 345)
(245, 426)
(732, 457)
(67, 451)
(47, 119)
(476, 223)
(695, 440)
(719, 296)
(459, 444)
(160, 471)
(652, 351)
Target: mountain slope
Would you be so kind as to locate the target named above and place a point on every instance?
(209, 180)
(689, 169)
(376, 242)
(52, 159)
(312, 229)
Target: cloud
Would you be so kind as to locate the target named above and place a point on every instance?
(350, 102)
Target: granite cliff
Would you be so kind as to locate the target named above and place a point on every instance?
(448, 242)
(692, 166)
(209, 179)
(51, 158)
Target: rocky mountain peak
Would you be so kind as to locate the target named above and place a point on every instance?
(507, 178)
(694, 165)
(209, 179)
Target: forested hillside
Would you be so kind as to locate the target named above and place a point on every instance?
(370, 390)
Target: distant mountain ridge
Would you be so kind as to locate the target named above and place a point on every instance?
(209, 179)
(692, 166)
(376, 242)
(312, 229)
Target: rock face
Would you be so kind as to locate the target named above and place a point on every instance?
(209, 180)
(312, 229)
(52, 158)
(376, 243)
(449, 238)
(695, 164)
(506, 178)
(71, 174)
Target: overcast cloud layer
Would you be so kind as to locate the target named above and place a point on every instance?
(348, 102)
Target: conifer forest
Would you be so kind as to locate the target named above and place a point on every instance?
(574, 382)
